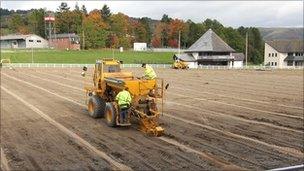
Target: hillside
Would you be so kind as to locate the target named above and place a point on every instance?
(281, 33)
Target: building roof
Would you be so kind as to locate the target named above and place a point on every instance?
(238, 56)
(65, 35)
(294, 58)
(15, 36)
(184, 57)
(210, 42)
(286, 46)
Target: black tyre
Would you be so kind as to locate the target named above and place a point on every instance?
(110, 115)
(96, 106)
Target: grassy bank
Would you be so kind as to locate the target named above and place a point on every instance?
(85, 56)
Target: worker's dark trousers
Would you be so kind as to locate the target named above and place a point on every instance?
(123, 114)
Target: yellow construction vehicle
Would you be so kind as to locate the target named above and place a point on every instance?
(108, 81)
(180, 65)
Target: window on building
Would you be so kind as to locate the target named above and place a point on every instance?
(289, 63)
(269, 54)
(290, 54)
(271, 64)
(272, 54)
(31, 40)
(275, 63)
(39, 41)
(276, 55)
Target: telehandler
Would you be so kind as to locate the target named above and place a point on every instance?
(180, 65)
(108, 81)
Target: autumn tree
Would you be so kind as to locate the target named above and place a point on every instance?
(121, 27)
(95, 30)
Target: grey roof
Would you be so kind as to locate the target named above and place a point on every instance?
(294, 58)
(14, 36)
(238, 56)
(210, 42)
(286, 46)
(65, 35)
(184, 57)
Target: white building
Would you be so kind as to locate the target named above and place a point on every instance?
(18, 41)
(140, 46)
(284, 53)
(210, 50)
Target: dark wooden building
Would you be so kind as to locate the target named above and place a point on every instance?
(66, 41)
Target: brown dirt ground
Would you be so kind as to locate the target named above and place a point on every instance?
(250, 119)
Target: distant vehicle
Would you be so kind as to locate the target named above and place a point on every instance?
(180, 65)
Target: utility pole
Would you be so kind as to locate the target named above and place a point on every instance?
(179, 42)
(246, 52)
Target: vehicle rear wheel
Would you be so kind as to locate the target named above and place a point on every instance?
(96, 106)
(110, 115)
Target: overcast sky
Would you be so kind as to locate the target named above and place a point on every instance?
(229, 13)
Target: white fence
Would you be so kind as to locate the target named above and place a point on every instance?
(49, 65)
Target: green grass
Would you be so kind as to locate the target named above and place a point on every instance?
(85, 56)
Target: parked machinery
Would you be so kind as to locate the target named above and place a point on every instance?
(180, 65)
(108, 81)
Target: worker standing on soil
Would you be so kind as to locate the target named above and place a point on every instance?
(124, 100)
(149, 72)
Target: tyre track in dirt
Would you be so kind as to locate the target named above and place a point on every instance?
(199, 162)
(245, 84)
(33, 143)
(219, 90)
(239, 106)
(229, 148)
(77, 139)
(277, 142)
(216, 159)
(273, 136)
(237, 75)
(4, 161)
(285, 150)
(238, 89)
(275, 124)
(216, 101)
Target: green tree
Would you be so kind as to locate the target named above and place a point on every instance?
(63, 7)
(36, 22)
(105, 12)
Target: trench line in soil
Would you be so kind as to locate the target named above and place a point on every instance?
(200, 99)
(185, 148)
(284, 150)
(71, 134)
(237, 118)
(220, 163)
(4, 162)
(244, 107)
(245, 99)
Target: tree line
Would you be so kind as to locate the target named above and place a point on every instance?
(100, 28)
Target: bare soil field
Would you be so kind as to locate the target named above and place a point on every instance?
(213, 120)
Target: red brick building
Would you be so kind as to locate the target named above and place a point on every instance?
(66, 41)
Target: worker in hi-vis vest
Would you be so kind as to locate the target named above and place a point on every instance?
(149, 73)
(124, 100)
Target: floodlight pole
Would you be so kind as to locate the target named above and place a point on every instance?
(179, 42)
(32, 54)
(246, 52)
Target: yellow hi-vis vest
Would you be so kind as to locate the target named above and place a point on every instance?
(124, 99)
(149, 73)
